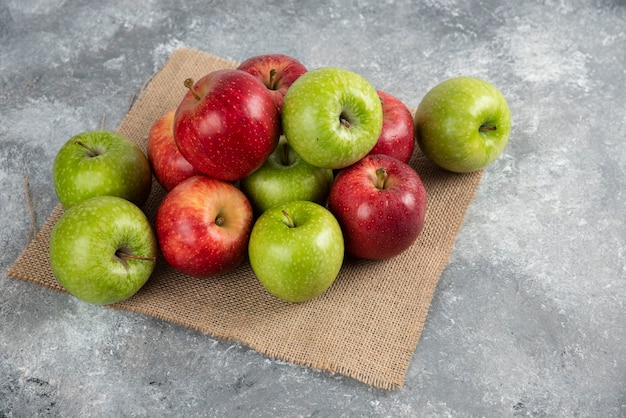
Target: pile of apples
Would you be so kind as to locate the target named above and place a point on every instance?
(288, 167)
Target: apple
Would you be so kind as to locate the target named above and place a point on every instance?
(463, 124)
(95, 163)
(276, 71)
(227, 124)
(397, 136)
(203, 225)
(168, 164)
(296, 250)
(285, 176)
(332, 117)
(103, 250)
(380, 203)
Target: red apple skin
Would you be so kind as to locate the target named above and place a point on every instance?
(227, 124)
(168, 164)
(288, 69)
(203, 226)
(378, 224)
(397, 137)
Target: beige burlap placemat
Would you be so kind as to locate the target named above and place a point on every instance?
(365, 326)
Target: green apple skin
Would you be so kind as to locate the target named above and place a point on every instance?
(296, 261)
(103, 250)
(463, 124)
(96, 163)
(332, 117)
(284, 177)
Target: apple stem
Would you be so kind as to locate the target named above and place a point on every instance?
(381, 177)
(92, 152)
(290, 223)
(122, 256)
(285, 155)
(125, 255)
(272, 82)
(485, 128)
(189, 84)
(345, 122)
(219, 221)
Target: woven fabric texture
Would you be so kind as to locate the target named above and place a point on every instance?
(366, 326)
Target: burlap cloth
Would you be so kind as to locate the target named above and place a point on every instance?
(365, 326)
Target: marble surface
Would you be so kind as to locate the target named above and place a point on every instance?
(529, 316)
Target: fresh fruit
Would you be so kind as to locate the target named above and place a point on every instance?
(284, 177)
(96, 163)
(332, 117)
(203, 225)
(296, 250)
(380, 203)
(463, 124)
(227, 124)
(276, 71)
(103, 250)
(397, 136)
(168, 164)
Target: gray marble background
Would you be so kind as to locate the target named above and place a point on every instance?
(529, 316)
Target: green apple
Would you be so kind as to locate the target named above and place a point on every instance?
(285, 176)
(96, 163)
(332, 117)
(463, 124)
(103, 250)
(296, 250)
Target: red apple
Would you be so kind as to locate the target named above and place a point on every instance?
(227, 124)
(168, 164)
(203, 226)
(276, 71)
(397, 135)
(380, 203)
